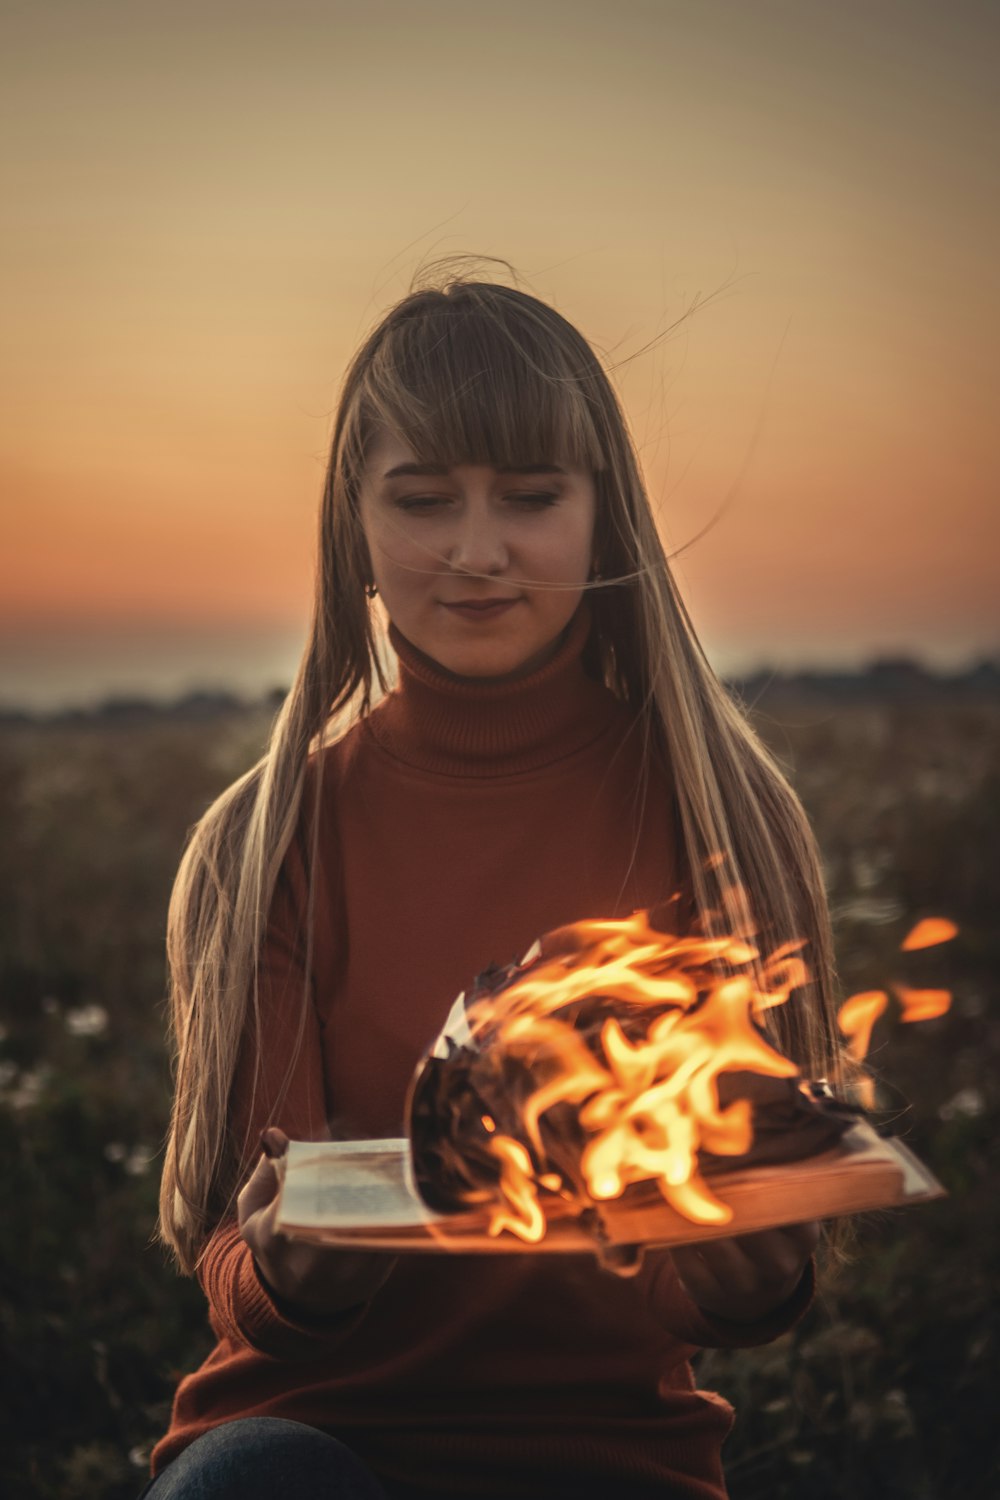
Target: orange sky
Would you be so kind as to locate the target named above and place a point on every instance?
(207, 205)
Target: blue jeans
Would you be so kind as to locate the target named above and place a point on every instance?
(269, 1458)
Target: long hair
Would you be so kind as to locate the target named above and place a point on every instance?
(473, 371)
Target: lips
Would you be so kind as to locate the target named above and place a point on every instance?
(480, 606)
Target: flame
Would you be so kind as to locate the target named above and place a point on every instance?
(521, 1212)
(921, 1005)
(643, 1082)
(646, 1101)
(856, 1017)
(928, 933)
(858, 1014)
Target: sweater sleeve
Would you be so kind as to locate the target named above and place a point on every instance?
(244, 1310)
(287, 1090)
(670, 1304)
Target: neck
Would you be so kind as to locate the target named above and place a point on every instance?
(475, 726)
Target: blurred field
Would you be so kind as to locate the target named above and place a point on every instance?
(887, 1389)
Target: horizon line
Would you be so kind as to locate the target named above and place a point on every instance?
(900, 666)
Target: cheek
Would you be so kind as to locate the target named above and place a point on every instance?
(568, 555)
(579, 541)
(392, 550)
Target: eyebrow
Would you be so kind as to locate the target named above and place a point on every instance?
(440, 469)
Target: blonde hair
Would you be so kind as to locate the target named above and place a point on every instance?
(478, 372)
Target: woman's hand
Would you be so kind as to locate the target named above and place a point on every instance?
(744, 1278)
(318, 1280)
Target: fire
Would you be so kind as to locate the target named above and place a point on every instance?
(858, 1014)
(921, 1005)
(856, 1018)
(521, 1211)
(645, 1088)
(595, 1065)
(928, 933)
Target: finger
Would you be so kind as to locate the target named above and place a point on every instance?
(806, 1235)
(715, 1257)
(752, 1266)
(260, 1189)
(791, 1244)
(697, 1275)
(273, 1141)
(728, 1268)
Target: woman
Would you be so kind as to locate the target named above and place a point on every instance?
(556, 747)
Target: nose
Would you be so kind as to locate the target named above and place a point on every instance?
(478, 545)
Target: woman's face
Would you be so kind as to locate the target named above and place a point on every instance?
(454, 554)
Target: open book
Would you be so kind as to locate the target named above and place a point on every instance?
(361, 1193)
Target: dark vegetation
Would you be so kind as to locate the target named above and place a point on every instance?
(888, 1387)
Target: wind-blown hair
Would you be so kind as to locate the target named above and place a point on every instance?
(470, 371)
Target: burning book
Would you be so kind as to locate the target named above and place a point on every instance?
(615, 1087)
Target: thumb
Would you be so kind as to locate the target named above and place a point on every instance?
(273, 1141)
(261, 1187)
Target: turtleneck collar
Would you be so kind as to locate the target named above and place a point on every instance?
(477, 727)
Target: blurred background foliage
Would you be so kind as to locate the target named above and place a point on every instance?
(887, 1389)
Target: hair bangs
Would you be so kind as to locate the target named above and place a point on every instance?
(472, 378)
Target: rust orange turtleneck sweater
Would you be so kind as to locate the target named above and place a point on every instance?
(460, 821)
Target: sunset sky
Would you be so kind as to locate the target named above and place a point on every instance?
(207, 206)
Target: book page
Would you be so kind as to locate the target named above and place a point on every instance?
(349, 1185)
(362, 1193)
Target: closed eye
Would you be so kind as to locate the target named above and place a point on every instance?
(535, 501)
(532, 500)
(421, 502)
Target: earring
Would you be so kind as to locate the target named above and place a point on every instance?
(371, 590)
